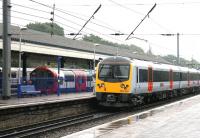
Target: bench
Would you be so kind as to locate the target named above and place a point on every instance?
(27, 89)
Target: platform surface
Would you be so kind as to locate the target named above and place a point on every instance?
(177, 120)
(14, 102)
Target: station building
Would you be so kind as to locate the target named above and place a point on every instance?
(39, 48)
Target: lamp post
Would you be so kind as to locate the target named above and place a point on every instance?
(20, 49)
(174, 61)
(94, 56)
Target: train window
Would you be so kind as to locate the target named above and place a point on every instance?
(121, 71)
(165, 76)
(156, 76)
(160, 76)
(105, 71)
(114, 73)
(197, 76)
(69, 78)
(191, 76)
(143, 75)
(184, 76)
(176, 76)
(137, 74)
(188, 76)
(194, 76)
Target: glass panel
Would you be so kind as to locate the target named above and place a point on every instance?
(121, 71)
(105, 71)
(143, 75)
(114, 73)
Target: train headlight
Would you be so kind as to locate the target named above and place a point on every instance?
(100, 85)
(122, 86)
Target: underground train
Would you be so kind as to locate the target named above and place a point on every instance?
(123, 82)
(46, 80)
(14, 77)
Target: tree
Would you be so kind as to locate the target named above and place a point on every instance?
(183, 62)
(96, 39)
(46, 27)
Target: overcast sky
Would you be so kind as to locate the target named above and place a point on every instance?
(169, 16)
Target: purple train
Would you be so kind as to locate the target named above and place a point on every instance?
(46, 80)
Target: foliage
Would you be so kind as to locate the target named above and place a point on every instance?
(183, 62)
(46, 27)
(96, 39)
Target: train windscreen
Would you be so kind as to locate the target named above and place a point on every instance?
(114, 73)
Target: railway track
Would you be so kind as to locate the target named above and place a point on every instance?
(36, 129)
(61, 123)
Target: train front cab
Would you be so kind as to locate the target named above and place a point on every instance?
(113, 83)
(44, 79)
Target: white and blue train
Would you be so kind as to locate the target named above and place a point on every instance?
(50, 80)
(121, 81)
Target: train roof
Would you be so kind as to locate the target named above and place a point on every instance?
(146, 64)
(116, 60)
(61, 69)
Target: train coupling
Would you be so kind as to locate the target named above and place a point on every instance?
(111, 98)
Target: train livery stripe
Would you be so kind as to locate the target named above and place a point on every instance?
(150, 79)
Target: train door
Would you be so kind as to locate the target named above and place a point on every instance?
(80, 79)
(188, 78)
(171, 79)
(150, 79)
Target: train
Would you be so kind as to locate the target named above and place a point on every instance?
(50, 80)
(121, 81)
(14, 78)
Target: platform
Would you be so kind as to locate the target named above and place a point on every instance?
(177, 120)
(14, 102)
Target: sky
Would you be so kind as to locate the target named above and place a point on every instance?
(122, 16)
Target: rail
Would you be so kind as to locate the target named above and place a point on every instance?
(52, 125)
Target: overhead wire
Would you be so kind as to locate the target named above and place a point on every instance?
(27, 7)
(145, 34)
(190, 34)
(130, 9)
(142, 4)
(63, 11)
(126, 7)
(60, 10)
(59, 16)
(95, 19)
(23, 18)
(74, 22)
(29, 14)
